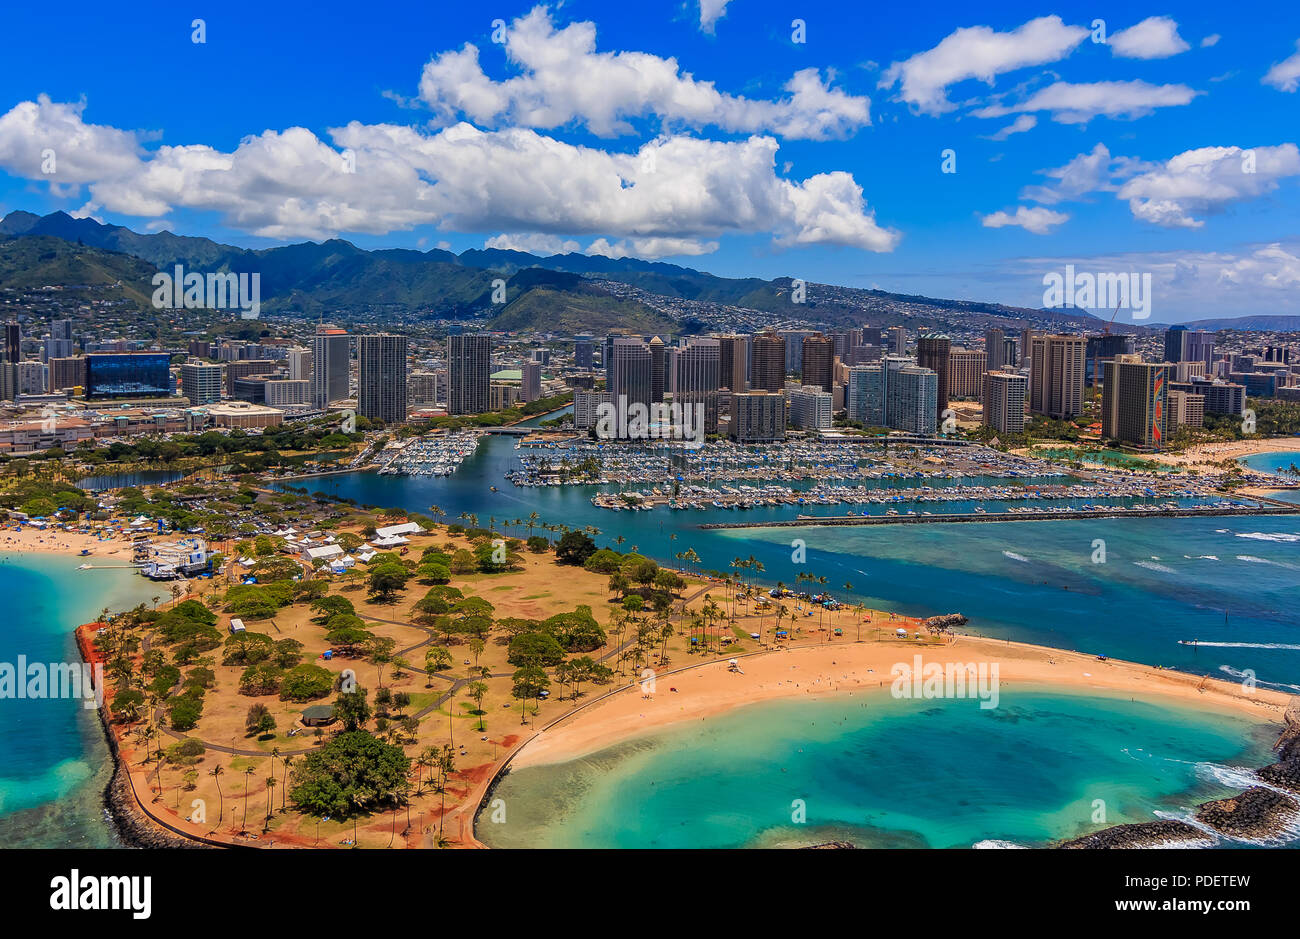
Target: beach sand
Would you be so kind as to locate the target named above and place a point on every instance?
(707, 690)
(1231, 450)
(56, 541)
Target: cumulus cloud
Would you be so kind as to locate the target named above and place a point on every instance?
(378, 178)
(651, 248)
(563, 80)
(34, 131)
(1285, 75)
(1080, 103)
(1095, 171)
(533, 243)
(1156, 37)
(1206, 181)
(710, 12)
(978, 52)
(1037, 220)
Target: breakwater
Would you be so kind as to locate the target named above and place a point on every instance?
(1182, 512)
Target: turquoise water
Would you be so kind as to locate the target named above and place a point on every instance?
(881, 772)
(55, 761)
(1228, 582)
(1277, 462)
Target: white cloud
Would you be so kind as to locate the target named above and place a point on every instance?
(1285, 75)
(563, 81)
(1080, 103)
(1156, 37)
(1095, 171)
(710, 12)
(33, 133)
(1210, 40)
(533, 243)
(978, 52)
(651, 248)
(1037, 220)
(1021, 124)
(1206, 181)
(290, 184)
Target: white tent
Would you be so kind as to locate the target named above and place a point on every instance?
(393, 531)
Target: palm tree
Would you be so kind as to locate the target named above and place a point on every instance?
(221, 801)
(477, 690)
(284, 788)
(247, 773)
(270, 800)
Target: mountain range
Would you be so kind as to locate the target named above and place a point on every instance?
(560, 293)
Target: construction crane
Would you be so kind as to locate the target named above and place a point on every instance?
(1096, 355)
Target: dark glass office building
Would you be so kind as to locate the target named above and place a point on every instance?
(128, 375)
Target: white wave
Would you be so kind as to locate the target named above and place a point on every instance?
(1015, 557)
(1278, 536)
(1239, 675)
(995, 843)
(1247, 645)
(1201, 557)
(1152, 566)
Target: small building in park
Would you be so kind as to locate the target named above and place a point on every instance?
(318, 715)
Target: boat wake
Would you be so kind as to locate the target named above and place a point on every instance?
(1240, 645)
(1015, 557)
(1239, 675)
(1153, 566)
(1278, 536)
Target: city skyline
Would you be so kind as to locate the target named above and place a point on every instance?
(822, 152)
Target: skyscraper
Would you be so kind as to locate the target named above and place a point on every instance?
(1004, 401)
(13, 347)
(695, 368)
(331, 364)
(530, 385)
(735, 361)
(59, 344)
(630, 373)
(469, 373)
(381, 377)
(865, 400)
(933, 351)
(913, 395)
(757, 417)
(584, 353)
(1175, 343)
(966, 369)
(819, 362)
(897, 339)
(995, 349)
(767, 369)
(299, 364)
(1056, 365)
(1133, 401)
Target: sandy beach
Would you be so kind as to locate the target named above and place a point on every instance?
(707, 690)
(1231, 450)
(56, 541)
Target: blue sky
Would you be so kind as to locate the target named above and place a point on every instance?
(707, 138)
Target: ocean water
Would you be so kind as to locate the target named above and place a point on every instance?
(1129, 588)
(1279, 461)
(53, 759)
(881, 772)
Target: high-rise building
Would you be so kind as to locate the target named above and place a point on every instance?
(299, 359)
(757, 417)
(735, 362)
(13, 347)
(818, 366)
(1133, 401)
(933, 351)
(424, 388)
(631, 376)
(530, 384)
(469, 373)
(794, 347)
(1220, 397)
(31, 378)
(201, 382)
(331, 366)
(1184, 409)
(586, 405)
(866, 395)
(584, 353)
(810, 407)
(659, 380)
(767, 367)
(966, 373)
(1056, 375)
(381, 377)
(200, 348)
(59, 344)
(71, 373)
(897, 340)
(913, 395)
(1102, 348)
(695, 369)
(1199, 347)
(995, 349)
(1004, 401)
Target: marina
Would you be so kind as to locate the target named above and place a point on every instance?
(432, 454)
